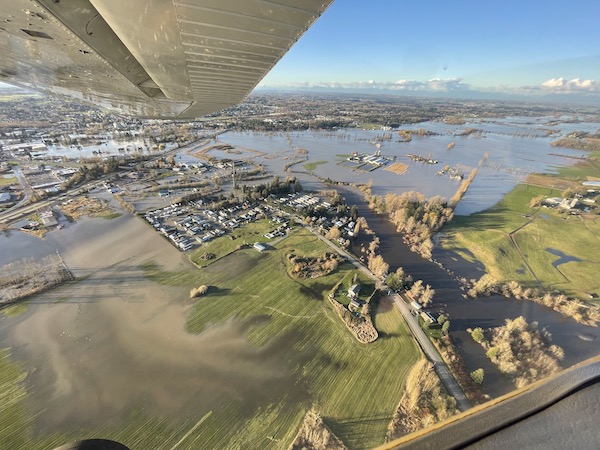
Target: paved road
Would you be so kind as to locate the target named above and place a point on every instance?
(430, 351)
(432, 354)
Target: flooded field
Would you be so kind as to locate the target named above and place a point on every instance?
(107, 148)
(579, 341)
(114, 346)
(116, 353)
(504, 150)
(98, 350)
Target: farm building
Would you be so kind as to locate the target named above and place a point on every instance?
(416, 306)
(259, 247)
(427, 317)
(353, 290)
(48, 219)
(354, 305)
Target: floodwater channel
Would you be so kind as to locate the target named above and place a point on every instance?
(578, 341)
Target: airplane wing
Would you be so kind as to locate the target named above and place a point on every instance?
(150, 58)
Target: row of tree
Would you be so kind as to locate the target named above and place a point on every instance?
(277, 187)
(488, 285)
(413, 215)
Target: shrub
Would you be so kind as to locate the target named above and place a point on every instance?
(477, 376)
(199, 291)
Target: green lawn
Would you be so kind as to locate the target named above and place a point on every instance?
(486, 236)
(312, 165)
(223, 245)
(356, 387)
(7, 181)
(367, 287)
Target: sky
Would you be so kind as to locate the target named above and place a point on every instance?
(527, 47)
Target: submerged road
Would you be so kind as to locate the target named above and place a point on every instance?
(430, 351)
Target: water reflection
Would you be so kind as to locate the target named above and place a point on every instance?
(515, 147)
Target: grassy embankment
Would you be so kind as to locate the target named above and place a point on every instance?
(312, 165)
(355, 387)
(510, 238)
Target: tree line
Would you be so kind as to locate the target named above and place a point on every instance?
(413, 215)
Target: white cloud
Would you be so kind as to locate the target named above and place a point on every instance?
(435, 84)
(570, 86)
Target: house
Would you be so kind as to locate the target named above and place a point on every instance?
(427, 317)
(259, 247)
(354, 305)
(4, 197)
(48, 219)
(353, 290)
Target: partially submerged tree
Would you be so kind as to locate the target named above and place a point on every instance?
(477, 376)
(427, 295)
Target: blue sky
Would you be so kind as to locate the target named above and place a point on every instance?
(509, 46)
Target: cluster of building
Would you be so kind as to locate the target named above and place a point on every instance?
(298, 201)
(196, 167)
(580, 202)
(375, 160)
(193, 224)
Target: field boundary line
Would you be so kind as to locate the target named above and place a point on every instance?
(194, 428)
(289, 315)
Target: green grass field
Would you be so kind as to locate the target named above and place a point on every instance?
(312, 165)
(223, 245)
(8, 181)
(486, 236)
(583, 169)
(356, 387)
(15, 310)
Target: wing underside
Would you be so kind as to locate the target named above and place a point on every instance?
(150, 58)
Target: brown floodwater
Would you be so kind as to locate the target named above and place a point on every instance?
(115, 342)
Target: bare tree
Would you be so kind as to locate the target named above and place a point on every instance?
(427, 295)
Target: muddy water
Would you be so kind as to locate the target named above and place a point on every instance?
(16, 245)
(114, 342)
(93, 363)
(580, 342)
(515, 147)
